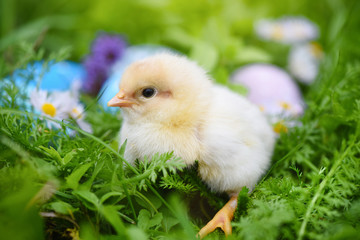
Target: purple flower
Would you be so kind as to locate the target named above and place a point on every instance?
(108, 48)
(105, 51)
(96, 74)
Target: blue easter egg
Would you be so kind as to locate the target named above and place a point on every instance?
(56, 77)
(132, 54)
(61, 75)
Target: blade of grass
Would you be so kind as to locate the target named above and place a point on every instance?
(319, 192)
(12, 111)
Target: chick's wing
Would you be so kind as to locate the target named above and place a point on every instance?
(237, 143)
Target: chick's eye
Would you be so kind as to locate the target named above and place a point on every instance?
(148, 92)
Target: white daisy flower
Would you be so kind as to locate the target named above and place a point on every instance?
(56, 106)
(77, 113)
(304, 61)
(287, 30)
(59, 106)
(75, 88)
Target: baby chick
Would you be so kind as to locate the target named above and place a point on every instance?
(170, 104)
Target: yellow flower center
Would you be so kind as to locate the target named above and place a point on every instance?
(49, 109)
(280, 127)
(277, 33)
(285, 105)
(262, 108)
(317, 50)
(78, 114)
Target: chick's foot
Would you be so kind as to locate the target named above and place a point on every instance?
(222, 219)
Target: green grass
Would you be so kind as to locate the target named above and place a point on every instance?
(57, 186)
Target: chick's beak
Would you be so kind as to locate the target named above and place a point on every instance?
(120, 100)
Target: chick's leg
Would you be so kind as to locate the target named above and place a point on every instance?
(222, 219)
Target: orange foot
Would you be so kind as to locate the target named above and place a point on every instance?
(222, 219)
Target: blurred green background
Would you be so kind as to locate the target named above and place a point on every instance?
(222, 30)
(220, 35)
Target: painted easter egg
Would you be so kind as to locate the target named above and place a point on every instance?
(272, 89)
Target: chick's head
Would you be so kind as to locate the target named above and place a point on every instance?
(163, 88)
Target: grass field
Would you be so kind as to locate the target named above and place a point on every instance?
(66, 183)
